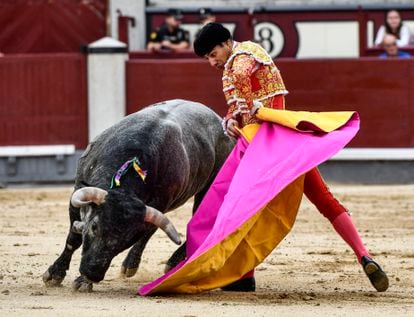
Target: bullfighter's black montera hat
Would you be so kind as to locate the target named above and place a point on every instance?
(211, 35)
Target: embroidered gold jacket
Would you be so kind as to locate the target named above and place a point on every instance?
(250, 76)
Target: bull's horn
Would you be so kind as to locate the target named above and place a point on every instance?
(157, 218)
(86, 195)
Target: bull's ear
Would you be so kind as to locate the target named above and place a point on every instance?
(134, 214)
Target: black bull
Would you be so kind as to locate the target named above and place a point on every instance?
(180, 144)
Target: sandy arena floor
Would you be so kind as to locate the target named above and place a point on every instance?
(312, 273)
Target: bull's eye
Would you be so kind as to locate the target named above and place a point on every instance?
(94, 227)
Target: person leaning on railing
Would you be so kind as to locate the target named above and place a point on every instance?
(394, 25)
(389, 44)
(169, 36)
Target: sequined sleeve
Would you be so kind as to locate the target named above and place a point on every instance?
(240, 97)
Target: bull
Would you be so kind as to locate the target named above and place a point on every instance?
(181, 146)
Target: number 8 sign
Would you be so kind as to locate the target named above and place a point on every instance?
(270, 36)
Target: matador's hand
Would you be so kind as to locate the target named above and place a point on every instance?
(232, 128)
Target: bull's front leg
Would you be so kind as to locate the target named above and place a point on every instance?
(181, 253)
(178, 256)
(131, 262)
(56, 273)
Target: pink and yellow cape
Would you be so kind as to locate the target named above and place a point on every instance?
(253, 202)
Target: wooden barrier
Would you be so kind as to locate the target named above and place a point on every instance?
(43, 99)
(380, 90)
(45, 26)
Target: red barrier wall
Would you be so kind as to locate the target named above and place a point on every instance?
(50, 26)
(380, 90)
(152, 80)
(43, 100)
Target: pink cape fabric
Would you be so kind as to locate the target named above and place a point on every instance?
(253, 175)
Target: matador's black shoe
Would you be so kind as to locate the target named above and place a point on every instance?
(247, 284)
(376, 275)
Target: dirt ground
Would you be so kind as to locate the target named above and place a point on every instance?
(312, 273)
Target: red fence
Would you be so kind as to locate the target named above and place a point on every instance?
(153, 80)
(382, 91)
(50, 26)
(43, 100)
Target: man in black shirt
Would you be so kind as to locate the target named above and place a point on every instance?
(169, 36)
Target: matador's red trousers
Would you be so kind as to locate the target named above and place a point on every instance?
(319, 194)
(315, 188)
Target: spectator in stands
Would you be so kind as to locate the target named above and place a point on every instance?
(169, 36)
(206, 16)
(389, 44)
(394, 25)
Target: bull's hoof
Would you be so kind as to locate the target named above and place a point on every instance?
(53, 280)
(128, 272)
(82, 284)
